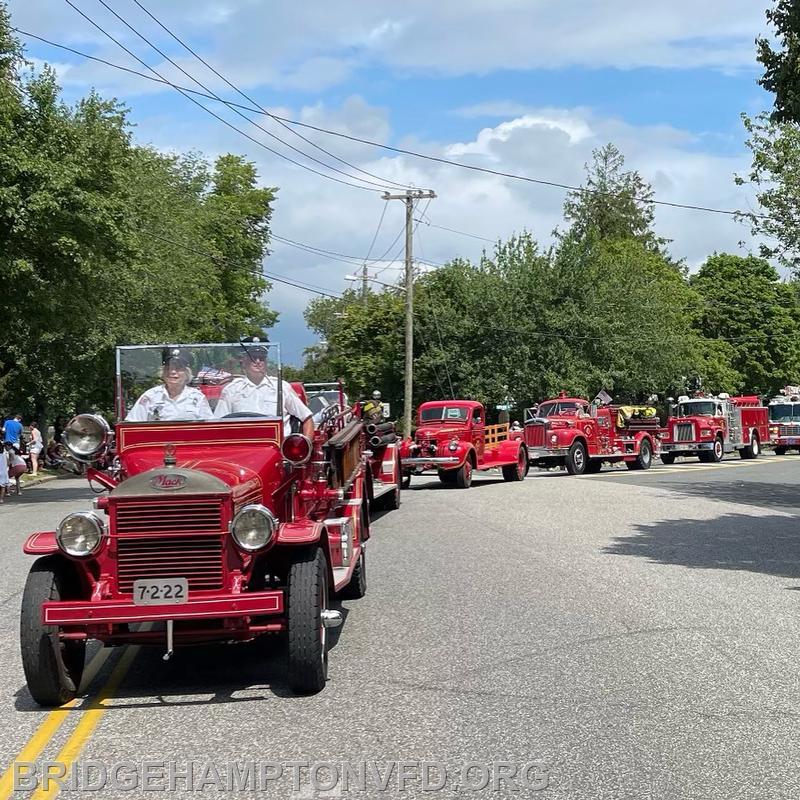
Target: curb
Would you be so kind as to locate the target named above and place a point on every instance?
(26, 484)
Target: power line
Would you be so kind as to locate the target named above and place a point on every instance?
(225, 122)
(453, 230)
(380, 145)
(259, 107)
(219, 99)
(219, 260)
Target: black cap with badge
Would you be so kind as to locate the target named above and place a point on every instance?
(170, 354)
(254, 347)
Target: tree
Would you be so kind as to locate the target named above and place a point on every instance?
(613, 204)
(745, 304)
(782, 65)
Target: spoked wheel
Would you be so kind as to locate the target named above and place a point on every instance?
(308, 600)
(518, 471)
(53, 668)
(464, 475)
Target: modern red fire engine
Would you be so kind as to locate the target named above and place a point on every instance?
(579, 435)
(711, 426)
(784, 420)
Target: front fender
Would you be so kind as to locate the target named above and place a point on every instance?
(42, 543)
(294, 533)
(509, 450)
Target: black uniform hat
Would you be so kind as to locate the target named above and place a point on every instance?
(169, 354)
(254, 347)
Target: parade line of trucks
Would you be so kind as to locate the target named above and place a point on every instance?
(241, 527)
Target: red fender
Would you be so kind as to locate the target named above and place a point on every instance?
(509, 450)
(41, 544)
(306, 532)
(102, 477)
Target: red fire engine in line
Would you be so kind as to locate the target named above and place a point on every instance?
(710, 427)
(452, 437)
(784, 420)
(571, 432)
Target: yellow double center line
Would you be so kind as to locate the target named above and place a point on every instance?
(90, 718)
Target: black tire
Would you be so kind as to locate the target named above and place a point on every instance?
(357, 587)
(667, 458)
(53, 668)
(308, 597)
(753, 449)
(594, 466)
(577, 458)
(406, 481)
(391, 500)
(518, 471)
(447, 476)
(781, 451)
(464, 474)
(644, 459)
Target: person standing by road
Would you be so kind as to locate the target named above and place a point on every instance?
(4, 482)
(35, 447)
(13, 431)
(16, 465)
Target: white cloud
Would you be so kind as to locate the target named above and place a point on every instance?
(316, 44)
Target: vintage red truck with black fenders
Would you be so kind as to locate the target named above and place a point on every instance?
(581, 436)
(212, 530)
(452, 437)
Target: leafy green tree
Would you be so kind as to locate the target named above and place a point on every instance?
(782, 63)
(745, 304)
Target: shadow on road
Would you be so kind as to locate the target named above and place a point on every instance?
(748, 493)
(767, 544)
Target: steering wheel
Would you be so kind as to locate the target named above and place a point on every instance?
(240, 414)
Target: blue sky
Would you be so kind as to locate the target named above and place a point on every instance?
(523, 86)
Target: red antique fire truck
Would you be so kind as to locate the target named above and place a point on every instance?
(709, 427)
(452, 437)
(218, 529)
(577, 434)
(784, 420)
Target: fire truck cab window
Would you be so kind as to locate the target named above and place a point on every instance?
(784, 412)
(698, 408)
(443, 413)
(569, 408)
(476, 416)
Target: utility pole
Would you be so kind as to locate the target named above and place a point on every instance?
(364, 279)
(408, 198)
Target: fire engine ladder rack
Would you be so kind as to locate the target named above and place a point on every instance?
(345, 450)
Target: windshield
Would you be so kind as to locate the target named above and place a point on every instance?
(697, 408)
(157, 383)
(560, 408)
(784, 412)
(444, 414)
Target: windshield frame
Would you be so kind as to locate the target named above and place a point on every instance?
(274, 358)
(688, 408)
(461, 420)
(794, 416)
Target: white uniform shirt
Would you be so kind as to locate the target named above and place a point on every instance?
(241, 394)
(156, 405)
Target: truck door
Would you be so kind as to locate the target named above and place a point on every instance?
(478, 431)
(604, 431)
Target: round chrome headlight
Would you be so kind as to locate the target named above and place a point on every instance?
(86, 435)
(453, 446)
(253, 527)
(80, 534)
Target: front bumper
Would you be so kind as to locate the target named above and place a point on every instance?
(686, 447)
(433, 461)
(537, 453)
(118, 611)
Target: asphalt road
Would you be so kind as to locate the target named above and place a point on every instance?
(634, 635)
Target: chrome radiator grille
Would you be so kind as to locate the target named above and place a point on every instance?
(684, 432)
(196, 558)
(189, 516)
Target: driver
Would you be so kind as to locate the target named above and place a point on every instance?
(174, 399)
(257, 392)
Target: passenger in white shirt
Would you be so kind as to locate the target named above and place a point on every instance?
(257, 393)
(173, 400)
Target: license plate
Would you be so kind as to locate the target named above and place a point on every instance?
(791, 440)
(159, 592)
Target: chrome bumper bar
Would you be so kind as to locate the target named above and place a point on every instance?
(535, 453)
(686, 447)
(419, 462)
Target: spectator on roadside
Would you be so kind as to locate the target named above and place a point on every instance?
(35, 447)
(13, 431)
(16, 465)
(4, 481)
